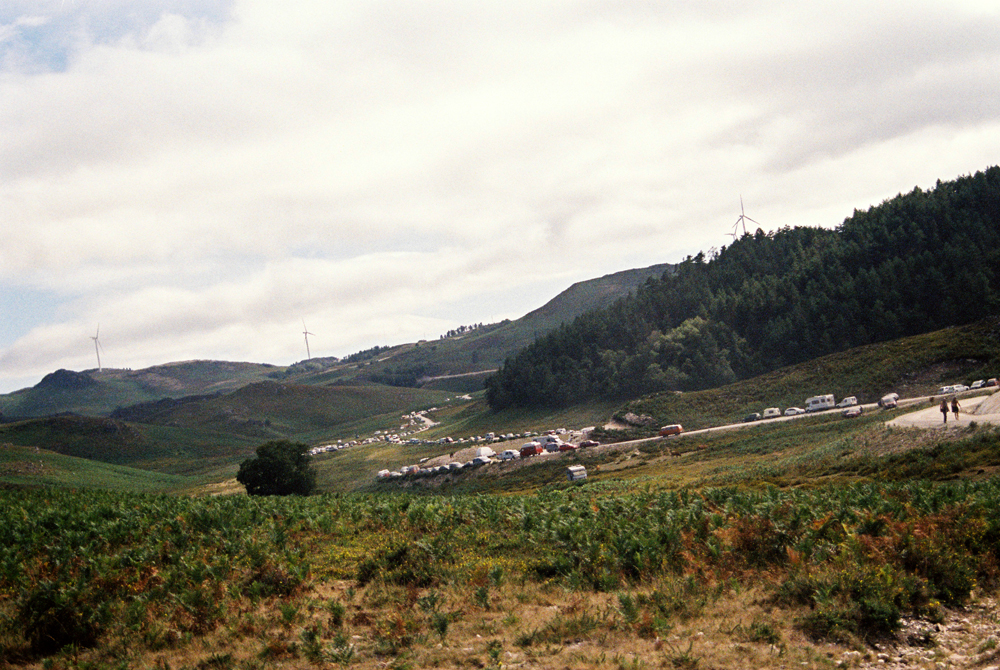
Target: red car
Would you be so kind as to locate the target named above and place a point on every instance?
(532, 449)
(566, 446)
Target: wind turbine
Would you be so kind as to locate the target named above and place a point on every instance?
(742, 219)
(98, 346)
(306, 334)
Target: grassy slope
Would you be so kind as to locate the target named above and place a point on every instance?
(911, 366)
(27, 466)
(777, 453)
(488, 347)
(207, 437)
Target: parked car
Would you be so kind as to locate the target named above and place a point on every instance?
(945, 390)
(794, 411)
(888, 401)
(510, 455)
(992, 381)
(771, 412)
(567, 446)
(852, 412)
(751, 417)
(978, 384)
(531, 449)
(480, 461)
(961, 387)
(589, 443)
(549, 442)
(849, 401)
(671, 429)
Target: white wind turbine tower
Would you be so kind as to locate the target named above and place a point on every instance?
(306, 334)
(741, 219)
(98, 346)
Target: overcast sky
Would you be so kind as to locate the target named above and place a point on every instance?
(199, 177)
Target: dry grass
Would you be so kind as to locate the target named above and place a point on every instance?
(519, 626)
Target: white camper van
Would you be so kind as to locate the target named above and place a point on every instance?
(820, 402)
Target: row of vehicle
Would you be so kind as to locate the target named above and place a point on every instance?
(417, 471)
(816, 403)
(959, 388)
(545, 444)
(485, 455)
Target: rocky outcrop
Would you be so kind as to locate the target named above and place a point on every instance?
(65, 380)
(966, 638)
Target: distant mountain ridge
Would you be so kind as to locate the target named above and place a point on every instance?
(478, 351)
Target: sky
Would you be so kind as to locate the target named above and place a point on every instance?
(203, 179)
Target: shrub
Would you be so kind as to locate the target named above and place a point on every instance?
(280, 468)
(410, 564)
(54, 615)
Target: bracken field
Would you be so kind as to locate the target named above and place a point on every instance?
(574, 576)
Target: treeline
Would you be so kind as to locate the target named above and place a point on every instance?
(366, 354)
(916, 263)
(461, 330)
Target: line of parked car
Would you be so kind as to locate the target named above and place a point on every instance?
(548, 443)
(819, 403)
(959, 388)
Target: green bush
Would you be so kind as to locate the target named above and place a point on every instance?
(410, 564)
(280, 468)
(56, 614)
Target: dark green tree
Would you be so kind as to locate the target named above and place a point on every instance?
(280, 468)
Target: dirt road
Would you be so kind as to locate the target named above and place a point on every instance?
(982, 409)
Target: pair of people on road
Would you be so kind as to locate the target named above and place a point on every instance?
(955, 407)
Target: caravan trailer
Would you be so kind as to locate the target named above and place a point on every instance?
(818, 403)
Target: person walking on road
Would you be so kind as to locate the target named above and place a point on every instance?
(955, 407)
(944, 409)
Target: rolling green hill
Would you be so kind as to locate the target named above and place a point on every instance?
(452, 364)
(461, 363)
(203, 438)
(98, 393)
(273, 410)
(209, 435)
(31, 467)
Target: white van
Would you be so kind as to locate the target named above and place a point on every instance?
(575, 473)
(818, 403)
(849, 401)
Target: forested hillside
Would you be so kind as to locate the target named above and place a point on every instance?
(916, 263)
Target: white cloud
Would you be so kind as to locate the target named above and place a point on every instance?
(219, 171)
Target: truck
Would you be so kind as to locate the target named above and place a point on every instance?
(818, 403)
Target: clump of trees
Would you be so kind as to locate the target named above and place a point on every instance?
(916, 263)
(280, 468)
